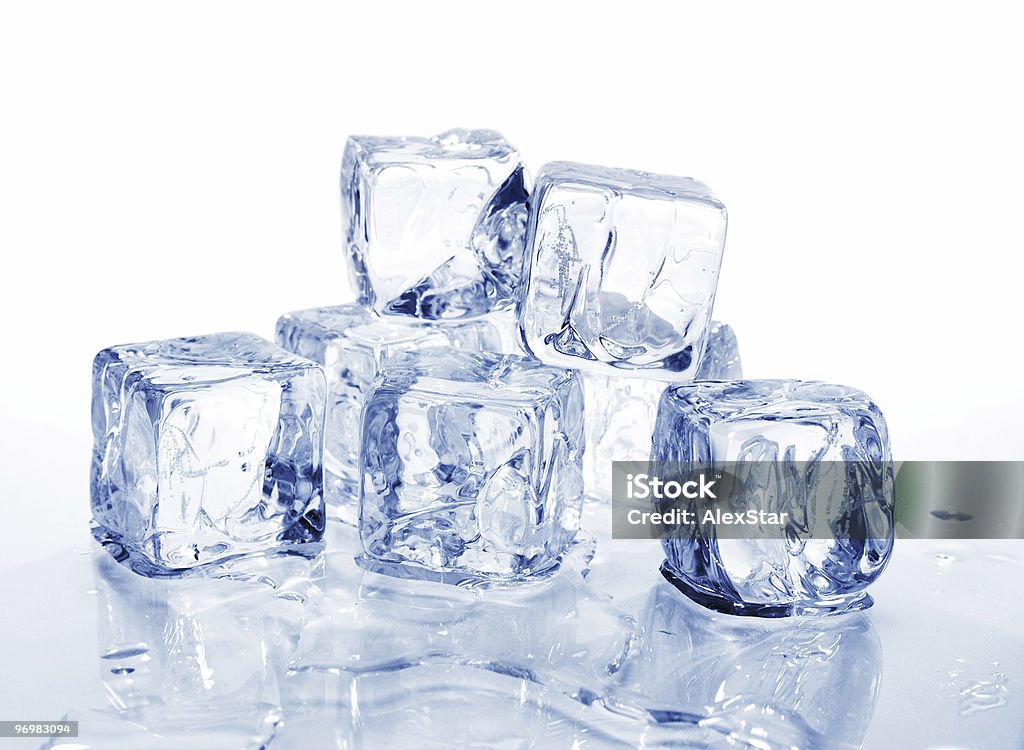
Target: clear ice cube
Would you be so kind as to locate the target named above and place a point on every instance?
(352, 344)
(471, 465)
(434, 227)
(620, 416)
(205, 448)
(621, 411)
(819, 453)
(621, 271)
(721, 359)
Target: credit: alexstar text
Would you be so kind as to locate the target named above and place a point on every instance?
(682, 517)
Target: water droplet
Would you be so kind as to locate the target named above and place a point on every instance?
(983, 695)
(951, 515)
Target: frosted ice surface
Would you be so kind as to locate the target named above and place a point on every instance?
(721, 356)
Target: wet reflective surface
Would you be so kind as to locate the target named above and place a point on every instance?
(293, 653)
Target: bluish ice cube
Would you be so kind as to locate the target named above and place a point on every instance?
(434, 227)
(621, 411)
(471, 465)
(351, 344)
(206, 448)
(621, 271)
(818, 453)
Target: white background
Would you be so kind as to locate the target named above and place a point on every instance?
(171, 169)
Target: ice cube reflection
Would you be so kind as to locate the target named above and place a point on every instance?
(196, 661)
(802, 677)
(284, 653)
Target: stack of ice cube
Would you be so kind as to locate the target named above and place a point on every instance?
(506, 346)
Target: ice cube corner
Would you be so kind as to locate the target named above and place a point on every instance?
(621, 411)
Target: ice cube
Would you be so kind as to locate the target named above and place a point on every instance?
(620, 415)
(471, 465)
(434, 227)
(206, 448)
(621, 411)
(621, 271)
(817, 452)
(351, 344)
(722, 356)
(156, 727)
